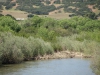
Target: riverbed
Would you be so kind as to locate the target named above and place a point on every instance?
(74, 66)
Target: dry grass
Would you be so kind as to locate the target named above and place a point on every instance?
(36, 6)
(72, 7)
(56, 11)
(13, 1)
(21, 14)
(15, 13)
(94, 10)
(98, 18)
(56, 14)
(59, 15)
(52, 2)
(57, 5)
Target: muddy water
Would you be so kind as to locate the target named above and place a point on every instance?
(49, 67)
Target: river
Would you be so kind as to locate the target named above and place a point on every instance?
(72, 66)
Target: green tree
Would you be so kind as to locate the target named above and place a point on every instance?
(7, 21)
(91, 15)
(36, 21)
(30, 15)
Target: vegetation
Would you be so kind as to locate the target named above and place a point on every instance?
(96, 62)
(39, 36)
(44, 7)
(14, 49)
(8, 23)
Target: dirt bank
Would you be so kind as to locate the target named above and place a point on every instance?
(64, 54)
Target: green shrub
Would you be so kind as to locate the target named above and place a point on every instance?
(48, 48)
(57, 47)
(7, 21)
(14, 49)
(40, 47)
(10, 52)
(25, 46)
(36, 21)
(46, 35)
(3, 29)
(70, 43)
(49, 23)
(93, 36)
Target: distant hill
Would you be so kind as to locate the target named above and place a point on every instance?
(90, 8)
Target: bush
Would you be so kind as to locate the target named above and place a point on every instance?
(40, 47)
(47, 35)
(36, 21)
(25, 46)
(14, 49)
(7, 21)
(70, 43)
(30, 15)
(92, 36)
(57, 47)
(10, 51)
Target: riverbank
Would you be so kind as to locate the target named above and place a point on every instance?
(63, 54)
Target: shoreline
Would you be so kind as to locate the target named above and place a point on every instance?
(59, 55)
(63, 54)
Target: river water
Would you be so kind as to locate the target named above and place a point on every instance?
(73, 66)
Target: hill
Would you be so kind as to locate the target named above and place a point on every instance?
(90, 8)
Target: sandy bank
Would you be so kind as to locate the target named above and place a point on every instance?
(64, 54)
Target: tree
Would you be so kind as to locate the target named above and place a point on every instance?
(1, 15)
(7, 21)
(30, 15)
(8, 6)
(36, 21)
(91, 15)
(11, 16)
